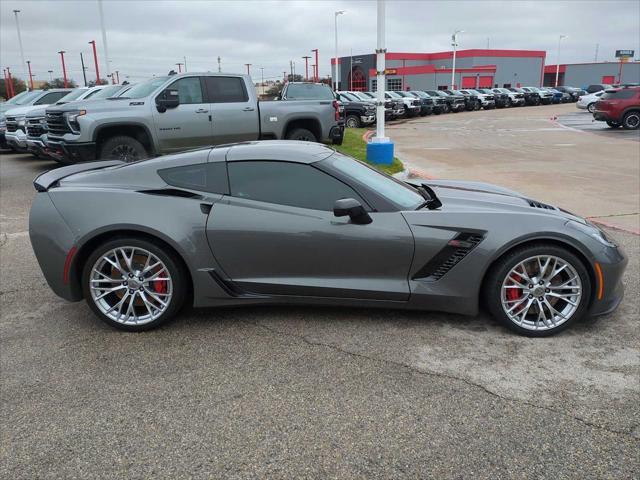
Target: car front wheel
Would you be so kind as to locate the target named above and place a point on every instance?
(591, 107)
(134, 284)
(352, 121)
(123, 148)
(631, 120)
(613, 124)
(538, 290)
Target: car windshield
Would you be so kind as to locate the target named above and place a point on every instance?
(420, 94)
(348, 96)
(394, 95)
(22, 98)
(146, 88)
(72, 95)
(361, 96)
(106, 92)
(504, 90)
(395, 191)
(309, 91)
(369, 94)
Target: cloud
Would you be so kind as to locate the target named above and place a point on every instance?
(150, 37)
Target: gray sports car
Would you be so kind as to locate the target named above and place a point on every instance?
(282, 222)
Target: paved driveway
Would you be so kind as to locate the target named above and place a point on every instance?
(304, 392)
(526, 149)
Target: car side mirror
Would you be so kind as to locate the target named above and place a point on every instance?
(352, 208)
(167, 99)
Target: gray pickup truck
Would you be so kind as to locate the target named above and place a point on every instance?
(179, 112)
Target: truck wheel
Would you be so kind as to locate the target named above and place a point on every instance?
(631, 120)
(301, 134)
(353, 121)
(445, 108)
(123, 148)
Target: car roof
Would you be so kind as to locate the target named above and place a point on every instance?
(278, 150)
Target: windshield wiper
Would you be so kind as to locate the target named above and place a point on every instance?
(431, 199)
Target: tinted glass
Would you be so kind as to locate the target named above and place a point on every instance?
(620, 94)
(143, 89)
(78, 92)
(226, 89)
(205, 177)
(309, 91)
(22, 98)
(347, 96)
(397, 192)
(284, 183)
(189, 90)
(106, 92)
(50, 98)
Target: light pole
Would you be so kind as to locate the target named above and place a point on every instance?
(248, 65)
(95, 60)
(51, 75)
(179, 67)
(454, 43)
(337, 70)
(30, 75)
(64, 69)
(219, 64)
(558, 59)
(316, 77)
(104, 39)
(306, 67)
(24, 72)
(84, 69)
(262, 76)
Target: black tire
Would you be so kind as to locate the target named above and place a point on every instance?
(613, 124)
(176, 269)
(501, 268)
(509, 102)
(301, 134)
(631, 120)
(445, 108)
(123, 148)
(591, 107)
(353, 121)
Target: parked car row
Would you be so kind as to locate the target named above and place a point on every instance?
(166, 114)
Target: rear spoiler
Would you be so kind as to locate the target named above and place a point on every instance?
(46, 180)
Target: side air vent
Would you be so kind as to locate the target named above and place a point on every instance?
(448, 257)
(535, 204)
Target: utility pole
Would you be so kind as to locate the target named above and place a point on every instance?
(24, 73)
(104, 39)
(30, 75)
(84, 69)
(306, 67)
(317, 76)
(337, 69)
(248, 65)
(558, 59)
(64, 68)
(219, 65)
(51, 75)
(95, 60)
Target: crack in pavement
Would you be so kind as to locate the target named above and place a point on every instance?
(432, 373)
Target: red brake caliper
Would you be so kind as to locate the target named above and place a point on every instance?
(160, 286)
(515, 293)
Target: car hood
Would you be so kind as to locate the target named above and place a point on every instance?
(97, 105)
(37, 112)
(19, 111)
(478, 196)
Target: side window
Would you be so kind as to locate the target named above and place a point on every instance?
(50, 98)
(189, 90)
(226, 89)
(285, 183)
(205, 177)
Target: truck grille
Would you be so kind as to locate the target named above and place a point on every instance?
(35, 127)
(12, 124)
(56, 124)
(519, 95)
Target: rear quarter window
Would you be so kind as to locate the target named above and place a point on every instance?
(309, 91)
(204, 177)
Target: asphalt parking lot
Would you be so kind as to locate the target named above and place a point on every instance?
(330, 393)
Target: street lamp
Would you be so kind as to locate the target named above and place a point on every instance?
(337, 72)
(306, 67)
(316, 78)
(24, 72)
(454, 43)
(558, 59)
(64, 69)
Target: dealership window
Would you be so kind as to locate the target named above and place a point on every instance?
(374, 85)
(506, 85)
(394, 84)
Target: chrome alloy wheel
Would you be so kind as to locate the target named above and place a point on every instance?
(131, 285)
(541, 292)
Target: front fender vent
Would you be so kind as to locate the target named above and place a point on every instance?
(447, 258)
(535, 204)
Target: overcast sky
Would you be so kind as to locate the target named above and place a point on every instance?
(149, 37)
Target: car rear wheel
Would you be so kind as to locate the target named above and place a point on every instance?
(631, 120)
(591, 107)
(301, 134)
(353, 121)
(134, 284)
(123, 148)
(538, 290)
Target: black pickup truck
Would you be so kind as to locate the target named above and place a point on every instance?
(357, 113)
(530, 97)
(453, 103)
(426, 103)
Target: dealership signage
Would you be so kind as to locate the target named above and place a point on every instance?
(624, 53)
(390, 71)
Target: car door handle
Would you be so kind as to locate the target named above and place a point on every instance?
(248, 109)
(202, 110)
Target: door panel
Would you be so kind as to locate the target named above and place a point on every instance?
(282, 250)
(234, 113)
(188, 125)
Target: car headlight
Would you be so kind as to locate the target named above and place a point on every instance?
(72, 119)
(593, 231)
